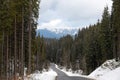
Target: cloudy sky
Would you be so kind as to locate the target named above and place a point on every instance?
(70, 13)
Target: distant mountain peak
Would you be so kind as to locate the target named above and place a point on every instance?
(57, 32)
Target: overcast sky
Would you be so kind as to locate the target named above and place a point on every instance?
(70, 13)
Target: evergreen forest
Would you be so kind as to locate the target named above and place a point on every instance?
(21, 49)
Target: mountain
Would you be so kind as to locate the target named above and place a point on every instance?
(56, 33)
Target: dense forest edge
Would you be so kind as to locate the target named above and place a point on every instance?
(21, 49)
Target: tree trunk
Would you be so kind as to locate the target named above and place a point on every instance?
(7, 58)
(37, 60)
(118, 48)
(22, 47)
(29, 50)
(15, 49)
(2, 65)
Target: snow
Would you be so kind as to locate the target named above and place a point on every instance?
(109, 70)
(25, 71)
(77, 73)
(70, 73)
(50, 75)
(112, 75)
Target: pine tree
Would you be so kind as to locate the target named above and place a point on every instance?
(105, 32)
(116, 27)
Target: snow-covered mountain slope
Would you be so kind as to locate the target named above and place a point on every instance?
(109, 67)
(56, 33)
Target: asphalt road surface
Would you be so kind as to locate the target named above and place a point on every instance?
(63, 76)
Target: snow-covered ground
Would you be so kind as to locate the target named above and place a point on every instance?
(112, 75)
(69, 71)
(45, 75)
(76, 73)
(109, 70)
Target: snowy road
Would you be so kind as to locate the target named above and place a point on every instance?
(63, 76)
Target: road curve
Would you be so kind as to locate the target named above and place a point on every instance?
(63, 76)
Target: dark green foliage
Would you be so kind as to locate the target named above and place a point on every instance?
(115, 19)
(14, 30)
(40, 56)
(106, 36)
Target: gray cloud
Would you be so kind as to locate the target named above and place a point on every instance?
(73, 13)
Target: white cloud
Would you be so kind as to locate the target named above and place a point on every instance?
(51, 24)
(54, 24)
(73, 13)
